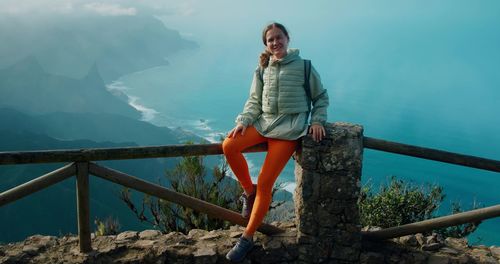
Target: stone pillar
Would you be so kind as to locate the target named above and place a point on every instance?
(328, 177)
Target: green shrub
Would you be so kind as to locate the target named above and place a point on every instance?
(459, 231)
(402, 203)
(399, 203)
(189, 177)
(107, 227)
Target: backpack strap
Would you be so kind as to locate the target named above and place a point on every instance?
(261, 74)
(307, 85)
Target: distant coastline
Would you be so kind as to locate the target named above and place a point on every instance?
(201, 127)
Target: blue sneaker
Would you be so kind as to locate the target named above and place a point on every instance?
(240, 250)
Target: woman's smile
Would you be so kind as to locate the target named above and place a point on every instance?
(276, 47)
(277, 43)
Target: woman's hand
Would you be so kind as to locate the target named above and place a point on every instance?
(236, 129)
(317, 131)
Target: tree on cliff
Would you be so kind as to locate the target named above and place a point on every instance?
(189, 177)
(401, 202)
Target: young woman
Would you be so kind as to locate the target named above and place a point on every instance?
(276, 112)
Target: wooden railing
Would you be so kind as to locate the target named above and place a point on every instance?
(432, 154)
(442, 156)
(82, 166)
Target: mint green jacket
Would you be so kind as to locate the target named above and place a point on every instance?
(277, 104)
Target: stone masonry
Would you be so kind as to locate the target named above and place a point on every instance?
(210, 247)
(328, 175)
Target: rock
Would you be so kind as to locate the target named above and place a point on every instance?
(456, 243)
(41, 241)
(464, 259)
(235, 228)
(480, 251)
(437, 259)
(186, 242)
(420, 239)
(72, 239)
(419, 257)
(449, 251)
(396, 259)
(235, 234)
(495, 252)
(205, 251)
(372, 258)
(128, 235)
(488, 260)
(205, 255)
(174, 237)
(210, 237)
(483, 255)
(197, 233)
(409, 240)
(272, 244)
(432, 247)
(149, 234)
(371, 228)
(31, 250)
(287, 225)
(109, 248)
(431, 239)
(144, 243)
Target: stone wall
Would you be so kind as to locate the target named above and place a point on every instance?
(328, 175)
(201, 246)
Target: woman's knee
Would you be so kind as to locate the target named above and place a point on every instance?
(228, 146)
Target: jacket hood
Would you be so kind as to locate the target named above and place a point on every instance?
(292, 55)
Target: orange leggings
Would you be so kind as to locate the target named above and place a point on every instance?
(278, 153)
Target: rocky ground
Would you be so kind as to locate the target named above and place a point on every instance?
(201, 246)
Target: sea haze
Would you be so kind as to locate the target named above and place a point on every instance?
(427, 79)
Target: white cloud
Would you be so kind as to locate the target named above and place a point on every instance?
(105, 9)
(27, 7)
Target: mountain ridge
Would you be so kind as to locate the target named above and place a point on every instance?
(27, 87)
(71, 46)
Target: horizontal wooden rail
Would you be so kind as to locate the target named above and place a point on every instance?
(175, 197)
(431, 224)
(37, 184)
(50, 156)
(432, 154)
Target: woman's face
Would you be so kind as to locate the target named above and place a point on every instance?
(276, 42)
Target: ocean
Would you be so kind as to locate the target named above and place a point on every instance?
(461, 184)
(433, 84)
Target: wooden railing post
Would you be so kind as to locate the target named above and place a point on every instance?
(82, 196)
